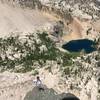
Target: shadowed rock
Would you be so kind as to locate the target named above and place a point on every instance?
(69, 96)
(48, 94)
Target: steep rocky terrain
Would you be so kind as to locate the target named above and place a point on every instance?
(16, 20)
(26, 52)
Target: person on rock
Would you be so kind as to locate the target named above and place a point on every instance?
(38, 83)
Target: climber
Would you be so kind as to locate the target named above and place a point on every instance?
(39, 84)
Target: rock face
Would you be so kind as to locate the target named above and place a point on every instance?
(48, 94)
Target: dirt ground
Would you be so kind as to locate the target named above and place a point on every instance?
(76, 27)
(17, 20)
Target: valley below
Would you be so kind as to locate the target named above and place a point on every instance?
(32, 33)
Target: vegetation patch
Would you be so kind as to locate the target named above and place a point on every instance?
(22, 54)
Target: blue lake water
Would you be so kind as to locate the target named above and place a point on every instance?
(78, 45)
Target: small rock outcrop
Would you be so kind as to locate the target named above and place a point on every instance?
(48, 94)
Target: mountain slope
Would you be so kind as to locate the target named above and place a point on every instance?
(14, 19)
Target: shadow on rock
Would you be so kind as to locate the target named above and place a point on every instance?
(48, 94)
(68, 96)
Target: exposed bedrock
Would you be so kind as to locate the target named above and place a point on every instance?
(48, 94)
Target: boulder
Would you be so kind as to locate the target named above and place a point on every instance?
(48, 94)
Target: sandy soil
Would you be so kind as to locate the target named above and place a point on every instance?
(96, 25)
(22, 20)
(76, 27)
